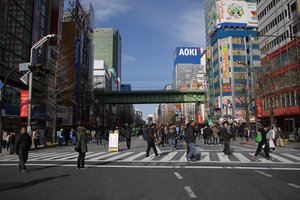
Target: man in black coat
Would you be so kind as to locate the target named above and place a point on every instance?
(190, 139)
(263, 144)
(151, 137)
(226, 136)
(22, 146)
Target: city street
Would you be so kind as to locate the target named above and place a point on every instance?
(128, 175)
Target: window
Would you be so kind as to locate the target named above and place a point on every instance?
(293, 98)
(288, 102)
(293, 7)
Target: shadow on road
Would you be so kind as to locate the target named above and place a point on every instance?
(20, 185)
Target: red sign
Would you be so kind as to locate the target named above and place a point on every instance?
(200, 121)
(24, 99)
(258, 104)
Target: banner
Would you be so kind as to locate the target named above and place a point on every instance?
(24, 99)
(258, 104)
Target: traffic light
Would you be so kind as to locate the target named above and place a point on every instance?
(39, 69)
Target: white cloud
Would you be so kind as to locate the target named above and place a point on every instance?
(127, 59)
(189, 28)
(107, 9)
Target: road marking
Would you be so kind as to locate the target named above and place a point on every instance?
(183, 158)
(204, 157)
(242, 158)
(294, 185)
(104, 156)
(49, 156)
(131, 158)
(190, 192)
(119, 156)
(281, 159)
(263, 173)
(291, 156)
(158, 167)
(94, 155)
(223, 158)
(148, 158)
(168, 157)
(178, 175)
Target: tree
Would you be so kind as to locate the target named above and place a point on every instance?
(61, 89)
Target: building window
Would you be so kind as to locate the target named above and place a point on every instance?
(293, 98)
(288, 99)
(283, 100)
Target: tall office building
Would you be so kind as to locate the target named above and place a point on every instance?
(187, 75)
(233, 56)
(22, 24)
(107, 47)
(279, 27)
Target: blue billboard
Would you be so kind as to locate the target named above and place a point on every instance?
(189, 55)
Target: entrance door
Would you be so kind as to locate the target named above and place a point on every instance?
(289, 125)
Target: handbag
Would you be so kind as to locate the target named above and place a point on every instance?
(78, 145)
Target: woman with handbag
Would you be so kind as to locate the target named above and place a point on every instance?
(81, 146)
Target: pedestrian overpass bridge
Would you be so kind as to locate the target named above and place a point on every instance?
(150, 97)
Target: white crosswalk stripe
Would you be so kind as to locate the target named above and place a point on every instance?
(175, 156)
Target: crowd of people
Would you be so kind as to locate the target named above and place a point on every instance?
(213, 133)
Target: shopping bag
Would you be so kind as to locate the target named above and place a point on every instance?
(158, 150)
(271, 143)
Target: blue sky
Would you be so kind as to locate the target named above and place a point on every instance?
(150, 31)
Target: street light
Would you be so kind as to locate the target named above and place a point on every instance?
(35, 46)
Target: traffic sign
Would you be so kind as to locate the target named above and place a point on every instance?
(1, 84)
(24, 78)
(24, 66)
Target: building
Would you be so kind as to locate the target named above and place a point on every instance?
(233, 57)
(279, 99)
(23, 23)
(188, 74)
(76, 64)
(107, 47)
(107, 43)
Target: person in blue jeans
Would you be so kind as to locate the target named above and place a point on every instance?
(190, 138)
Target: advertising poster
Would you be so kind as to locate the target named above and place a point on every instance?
(113, 145)
(258, 105)
(236, 13)
(24, 99)
(225, 62)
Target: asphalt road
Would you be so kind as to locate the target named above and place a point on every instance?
(53, 175)
(96, 183)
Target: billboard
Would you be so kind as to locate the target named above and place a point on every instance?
(24, 99)
(187, 55)
(234, 13)
(225, 61)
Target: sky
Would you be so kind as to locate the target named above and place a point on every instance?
(150, 32)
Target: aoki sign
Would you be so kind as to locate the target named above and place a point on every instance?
(188, 52)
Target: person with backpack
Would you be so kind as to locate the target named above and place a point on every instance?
(262, 142)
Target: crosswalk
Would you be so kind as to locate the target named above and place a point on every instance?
(169, 157)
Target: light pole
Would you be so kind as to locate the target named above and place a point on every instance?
(34, 47)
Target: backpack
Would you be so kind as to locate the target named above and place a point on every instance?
(258, 137)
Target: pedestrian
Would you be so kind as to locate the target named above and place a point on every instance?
(163, 136)
(263, 144)
(208, 132)
(172, 135)
(12, 141)
(271, 137)
(128, 135)
(215, 134)
(82, 143)
(35, 138)
(247, 135)
(60, 137)
(4, 137)
(151, 140)
(22, 146)
(190, 139)
(226, 137)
